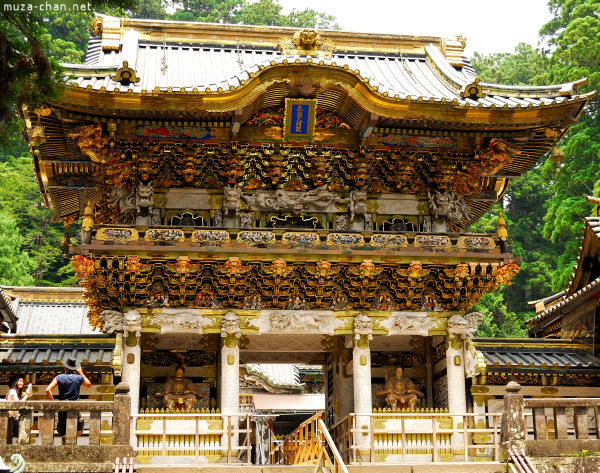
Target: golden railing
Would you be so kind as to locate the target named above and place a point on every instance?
(421, 435)
(200, 434)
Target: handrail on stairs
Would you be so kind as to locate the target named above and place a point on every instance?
(309, 445)
(338, 465)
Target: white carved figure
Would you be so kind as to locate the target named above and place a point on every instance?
(341, 222)
(181, 321)
(358, 203)
(296, 202)
(113, 321)
(132, 323)
(427, 224)
(297, 322)
(363, 326)
(156, 218)
(145, 195)
(218, 218)
(414, 324)
(448, 205)
(124, 199)
(246, 220)
(459, 326)
(230, 325)
(231, 198)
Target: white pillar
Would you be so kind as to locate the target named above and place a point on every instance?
(455, 361)
(230, 372)
(132, 356)
(361, 377)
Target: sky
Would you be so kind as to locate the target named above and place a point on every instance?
(490, 26)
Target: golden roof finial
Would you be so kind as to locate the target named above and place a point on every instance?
(501, 232)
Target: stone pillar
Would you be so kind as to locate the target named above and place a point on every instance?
(455, 359)
(132, 356)
(513, 421)
(229, 379)
(458, 328)
(361, 377)
(429, 368)
(122, 407)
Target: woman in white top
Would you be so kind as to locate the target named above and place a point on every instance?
(15, 393)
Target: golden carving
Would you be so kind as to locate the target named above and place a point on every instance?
(399, 391)
(97, 26)
(125, 75)
(473, 90)
(306, 42)
(91, 142)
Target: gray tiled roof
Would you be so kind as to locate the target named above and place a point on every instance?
(197, 68)
(49, 351)
(535, 354)
(52, 318)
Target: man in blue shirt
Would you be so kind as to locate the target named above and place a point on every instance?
(69, 384)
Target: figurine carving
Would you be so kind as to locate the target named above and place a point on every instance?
(179, 392)
(399, 391)
(448, 205)
(91, 142)
(363, 326)
(464, 327)
(132, 323)
(231, 198)
(280, 200)
(406, 324)
(252, 302)
(123, 198)
(230, 325)
(112, 320)
(145, 195)
(358, 203)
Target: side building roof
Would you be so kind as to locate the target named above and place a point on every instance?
(583, 287)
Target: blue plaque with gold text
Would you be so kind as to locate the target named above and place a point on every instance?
(299, 123)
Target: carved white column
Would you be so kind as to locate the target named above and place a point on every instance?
(361, 376)
(458, 329)
(132, 356)
(230, 372)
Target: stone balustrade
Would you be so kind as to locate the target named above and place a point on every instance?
(94, 451)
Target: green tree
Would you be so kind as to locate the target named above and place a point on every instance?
(523, 206)
(15, 264)
(498, 321)
(573, 36)
(525, 66)
(39, 236)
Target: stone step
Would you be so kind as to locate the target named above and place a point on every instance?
(449, 467)
(224, 467)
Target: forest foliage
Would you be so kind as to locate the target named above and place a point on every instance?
(544, 208)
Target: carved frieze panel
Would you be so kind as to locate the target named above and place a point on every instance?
(294, 321)
(184, 283)
(180, 321)
(263, 172)
(401, 324)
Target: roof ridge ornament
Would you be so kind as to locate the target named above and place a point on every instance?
(125, 75)
(473, 90)
(306, 42)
